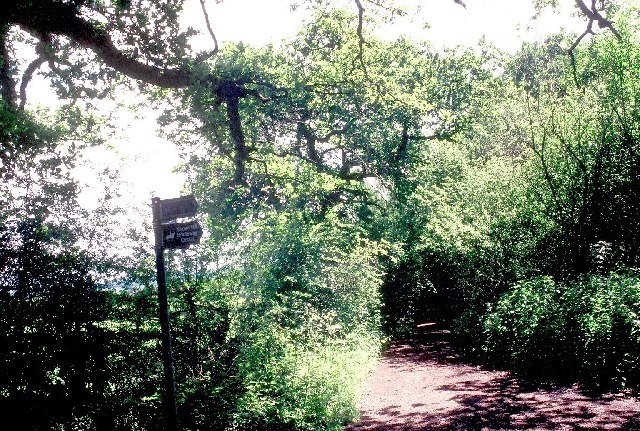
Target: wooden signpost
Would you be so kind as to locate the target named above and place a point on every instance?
(184, 206)
(171, 235)
(181, 235)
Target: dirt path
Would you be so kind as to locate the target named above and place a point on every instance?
(422, 385)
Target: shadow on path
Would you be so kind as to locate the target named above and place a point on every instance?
(422, 385)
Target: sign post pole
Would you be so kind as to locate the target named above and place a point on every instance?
(169, 400)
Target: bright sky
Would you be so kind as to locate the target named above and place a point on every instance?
(504, 22)
(148, 160)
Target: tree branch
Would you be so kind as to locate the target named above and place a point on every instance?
(63, 19)
(594, 15)
(572, 52)
(7, 84)
(213, 36)
(26, 78)
(359, 31)
(241, 152)
(310, 143)
(404, 142)
(316, 158)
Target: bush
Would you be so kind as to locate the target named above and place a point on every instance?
(306, 323)
(524, 329)
(53, 351)
(296, 387)
(606, 313)
(586, 331)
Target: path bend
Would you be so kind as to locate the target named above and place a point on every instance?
(422, 385)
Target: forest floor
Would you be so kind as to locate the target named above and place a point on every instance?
(421, 384)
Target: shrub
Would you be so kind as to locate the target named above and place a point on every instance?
(306, 323)
(296, 387)
(587, 330)
(525, 329)
(606, 314)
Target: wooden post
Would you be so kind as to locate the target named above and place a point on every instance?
(169, 400)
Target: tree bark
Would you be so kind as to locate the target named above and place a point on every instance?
(41, 17)
(7, 84)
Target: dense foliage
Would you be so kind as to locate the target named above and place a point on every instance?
(351, 188)
(532, 246)
(586, 330)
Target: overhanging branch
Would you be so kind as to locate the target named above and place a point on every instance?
(211, 33)
(360, 30)
(26, 78)
(7, 84)
(594, 15)
(63, 19)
